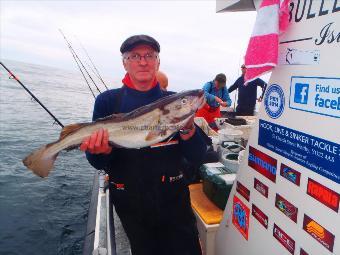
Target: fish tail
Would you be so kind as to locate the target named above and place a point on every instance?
(40, 162)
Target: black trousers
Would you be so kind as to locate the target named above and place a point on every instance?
(161, 229)
(245, 111)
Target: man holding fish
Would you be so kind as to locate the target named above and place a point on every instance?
(150, 194)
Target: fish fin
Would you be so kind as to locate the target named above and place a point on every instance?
(116, 115)
(71, 128)
(72, 147)
(111, 117)
(40, 162)
(152, 135)
(155, 131)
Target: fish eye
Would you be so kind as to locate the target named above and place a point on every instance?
(184, 101)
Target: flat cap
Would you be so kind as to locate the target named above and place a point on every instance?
(136, 40)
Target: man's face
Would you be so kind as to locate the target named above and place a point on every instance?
(144, 70)
(219, 85)
(243, 69)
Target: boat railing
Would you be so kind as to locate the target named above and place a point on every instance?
(100, 231)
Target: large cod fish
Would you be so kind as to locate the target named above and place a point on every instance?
(142, 127)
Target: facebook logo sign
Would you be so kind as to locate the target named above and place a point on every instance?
(301, 93)
(320, 95)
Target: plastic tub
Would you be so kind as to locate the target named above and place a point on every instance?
(230, 160)
(246, 129)
(229, 134)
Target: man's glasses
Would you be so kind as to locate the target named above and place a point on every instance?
(149, 57)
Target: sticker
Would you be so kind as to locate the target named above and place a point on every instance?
(260, 187)
(290, 174)
(260, 216)
(318, 232)
(303, 252)
(323, 194)
(291, 56)
(316, 154)
(286, 207)
(262, 163)
(274, 101)
(243, 190)
(284, 239)
(241, 217)
(318, 95)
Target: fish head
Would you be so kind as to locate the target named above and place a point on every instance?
(182, 106)
(169, 114)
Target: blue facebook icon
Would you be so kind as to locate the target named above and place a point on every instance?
(301, 93)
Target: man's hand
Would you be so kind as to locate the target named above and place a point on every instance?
(97, 143)
(218, 100)
(189, 128)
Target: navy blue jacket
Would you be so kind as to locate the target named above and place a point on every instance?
(247, 94)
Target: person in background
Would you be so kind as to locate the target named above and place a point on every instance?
(216, 95)
(247, 94)
(150, 195)
(162, 80)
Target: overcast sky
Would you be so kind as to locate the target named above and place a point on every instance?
(196, 42)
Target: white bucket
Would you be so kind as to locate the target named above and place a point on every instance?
(231, 164)
(229, 134)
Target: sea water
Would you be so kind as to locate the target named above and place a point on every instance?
(42, 216)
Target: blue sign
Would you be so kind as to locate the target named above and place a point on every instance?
(274, 101)
(320, 95)
(314, 153)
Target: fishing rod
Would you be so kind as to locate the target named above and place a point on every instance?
(76, 56)
(32, 95)
(83, 74)
(96, 72)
